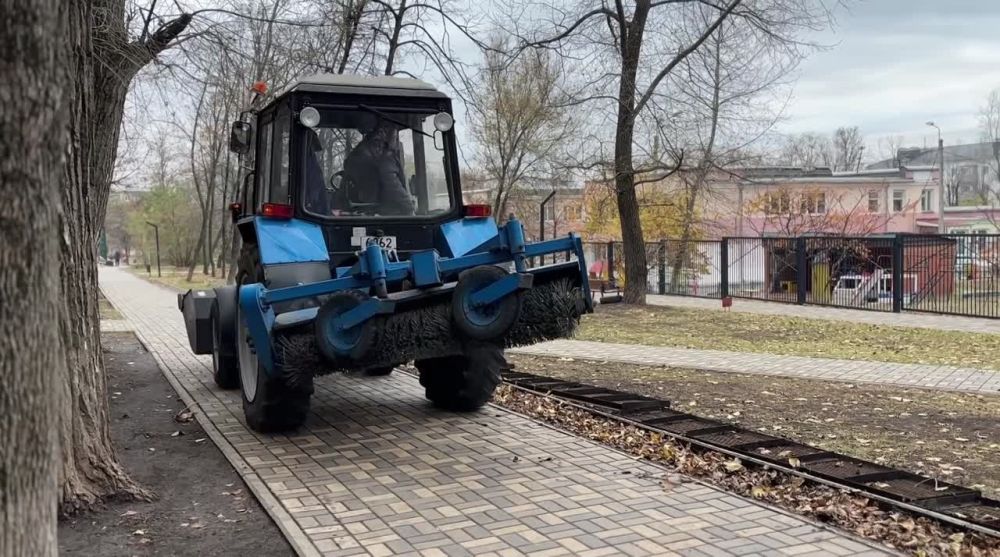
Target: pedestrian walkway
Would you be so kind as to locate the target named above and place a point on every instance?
(855, 371)
(377, 471)
(905, 319)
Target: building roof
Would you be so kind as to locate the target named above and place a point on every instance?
(915, 157)
(777, 175)
(362, 85)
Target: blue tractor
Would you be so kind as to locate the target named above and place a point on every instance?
(359, 255)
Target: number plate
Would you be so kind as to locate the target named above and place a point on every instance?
(387, 242)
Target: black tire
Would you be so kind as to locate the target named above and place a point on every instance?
(225, 362)
(379, 371)
(279, 402)
(463, 383)
(490, 322)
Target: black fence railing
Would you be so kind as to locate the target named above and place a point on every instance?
(953, 274)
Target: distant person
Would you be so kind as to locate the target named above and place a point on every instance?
(118, 258)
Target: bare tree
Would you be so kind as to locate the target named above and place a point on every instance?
(808, 150)
(732, 91)
(989, 126)
(519, 120)
(39, 41)
(625, 52)
(888, 148)
(848, 148)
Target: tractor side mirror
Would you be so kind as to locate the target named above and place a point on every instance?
(239, 137)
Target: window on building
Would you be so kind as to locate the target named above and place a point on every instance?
(573, 212)
(926, 205)
(873, 201)
(813, 203)
(550, 213)
(776, 203)
(898, 197)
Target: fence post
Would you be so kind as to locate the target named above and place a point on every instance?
(897, 274)
(661, 256)
(800, 270)
(724, 268)
(611, 262)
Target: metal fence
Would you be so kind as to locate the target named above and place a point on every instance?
(952, 274)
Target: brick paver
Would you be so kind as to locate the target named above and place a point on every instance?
(905, 375)
(377, 471)
(905, 319)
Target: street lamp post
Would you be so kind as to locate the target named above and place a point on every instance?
(541, 222)
(156, 231)
(941, 192)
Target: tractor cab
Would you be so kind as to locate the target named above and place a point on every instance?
(367, 159)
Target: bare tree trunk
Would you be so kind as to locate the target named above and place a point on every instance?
(633, 245)
(91, 471)
(397, 26)
(199, 250)
(35, 82)
(354, 19)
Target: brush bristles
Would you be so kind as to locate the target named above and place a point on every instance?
(548, 311)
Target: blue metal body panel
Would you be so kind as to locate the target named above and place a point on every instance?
(430, 275)
(289, 241)
(425, 268)
(465, 235)
(259, 318)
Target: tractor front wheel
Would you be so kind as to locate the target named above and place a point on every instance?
(465, 382)
(273, 402)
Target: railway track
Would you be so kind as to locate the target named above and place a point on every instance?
(921, 495)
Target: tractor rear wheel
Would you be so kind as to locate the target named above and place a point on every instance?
(273, 402)
(465, 382)
(225, 366)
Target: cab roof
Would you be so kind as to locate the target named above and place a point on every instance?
(353, 84)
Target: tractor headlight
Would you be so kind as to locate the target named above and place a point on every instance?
(309, 117)
(443, 122)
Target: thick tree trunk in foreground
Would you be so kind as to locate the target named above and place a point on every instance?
(90, 468)
(33, 85)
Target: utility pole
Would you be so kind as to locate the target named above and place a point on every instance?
(541, 221)
(941, 192)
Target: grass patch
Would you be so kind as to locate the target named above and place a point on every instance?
(107, 311)
(794, 336)
(176, 278)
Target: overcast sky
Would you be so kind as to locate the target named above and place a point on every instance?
(895, 64)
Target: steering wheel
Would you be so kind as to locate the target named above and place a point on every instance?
(339, 191)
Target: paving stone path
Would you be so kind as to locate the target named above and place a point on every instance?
(376, 471)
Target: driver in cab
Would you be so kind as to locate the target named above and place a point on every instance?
(375, 169)
(373, 181)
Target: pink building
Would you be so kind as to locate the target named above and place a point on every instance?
(784, 201)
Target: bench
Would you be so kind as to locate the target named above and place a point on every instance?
(605, 291)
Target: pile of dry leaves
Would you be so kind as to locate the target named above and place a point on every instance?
(899, 530)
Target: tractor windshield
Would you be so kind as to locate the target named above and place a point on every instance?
(375, 162)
